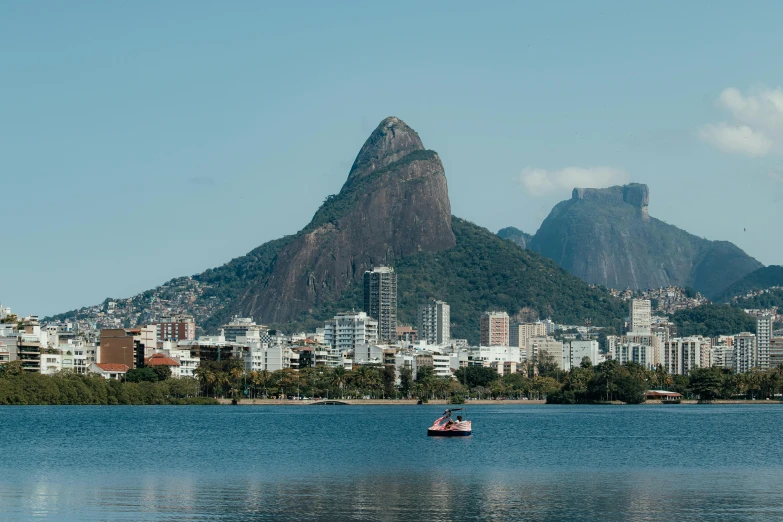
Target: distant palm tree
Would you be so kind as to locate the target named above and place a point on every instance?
(205, 376)
(236, 374)
(339, 378)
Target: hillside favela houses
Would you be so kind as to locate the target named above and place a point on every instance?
(372, 336)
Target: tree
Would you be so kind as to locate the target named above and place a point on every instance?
(236, 374)
(206, 377)
(406, 381)
(706, 382)
(546, 363)
(339, 379)
(163, 372)
(473, 376)
(145, 374)
(424, 372)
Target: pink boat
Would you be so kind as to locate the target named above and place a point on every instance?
(445, 426)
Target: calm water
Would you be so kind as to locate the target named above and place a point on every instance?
(644, 463)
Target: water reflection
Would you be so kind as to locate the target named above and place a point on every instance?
(559, 496)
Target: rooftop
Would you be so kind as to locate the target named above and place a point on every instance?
(112, 367)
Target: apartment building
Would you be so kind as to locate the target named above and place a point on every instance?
(435, 322)
(349, 329)
(494, 329)
(380, 300)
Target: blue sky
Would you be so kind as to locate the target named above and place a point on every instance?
(141, 141)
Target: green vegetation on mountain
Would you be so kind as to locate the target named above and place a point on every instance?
(770, 299)
(711, 320)
(761, 279)
(483, 272)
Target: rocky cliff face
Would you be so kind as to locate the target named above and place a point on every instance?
(607, 237)
(395, 203)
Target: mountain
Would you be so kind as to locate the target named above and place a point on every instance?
(761, 279)
(515, 235)
(393, 209)
(607, 237)
(395, 203)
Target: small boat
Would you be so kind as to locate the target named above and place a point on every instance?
(445, 426)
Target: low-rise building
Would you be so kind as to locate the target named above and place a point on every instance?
(161, 359)
(444, 365)
(538, 346)
(110, 370)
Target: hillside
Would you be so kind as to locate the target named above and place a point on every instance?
(393, 209)
(713, 320)
(761, 279)
(607, 237)
(516, 236)
(772, 298)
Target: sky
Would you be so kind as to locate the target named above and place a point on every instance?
(142, 141)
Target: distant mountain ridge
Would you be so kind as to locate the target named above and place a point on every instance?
(393, 209)
(516, 236)
(607, 237)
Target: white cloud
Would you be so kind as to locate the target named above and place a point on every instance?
(540, 182)
(757, 129)
(736, 138)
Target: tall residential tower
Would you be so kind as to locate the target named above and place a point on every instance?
(641, 316)
(494, 329)
(435, 322)
(380, 300)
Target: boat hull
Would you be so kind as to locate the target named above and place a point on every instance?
(448, 433)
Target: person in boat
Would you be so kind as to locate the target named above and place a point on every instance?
(459, 418)
(448, 422)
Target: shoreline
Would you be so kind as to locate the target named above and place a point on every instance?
(483, 402)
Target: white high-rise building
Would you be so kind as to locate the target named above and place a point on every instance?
(764, 326)
(683, 354)
(643, 354)
(722, 356)
(349, 329)
(745, 352)
(641, 316)
(435, 322)
(575, 351)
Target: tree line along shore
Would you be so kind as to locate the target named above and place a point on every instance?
(216, 382)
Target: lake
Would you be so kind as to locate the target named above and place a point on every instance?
(641, 463)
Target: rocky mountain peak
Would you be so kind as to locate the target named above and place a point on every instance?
(395, 204)
(635, 194)
(391, 140)
(606, 237)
